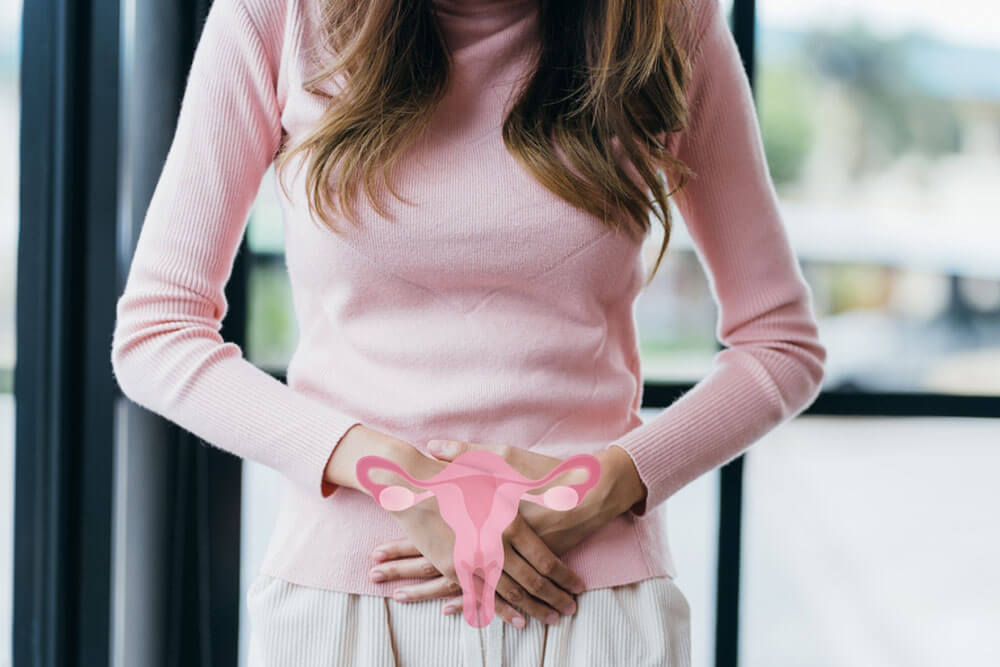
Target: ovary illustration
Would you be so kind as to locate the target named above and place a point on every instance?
(478, 496)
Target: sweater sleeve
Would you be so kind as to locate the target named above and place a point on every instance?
(167, 353)
(772, 364)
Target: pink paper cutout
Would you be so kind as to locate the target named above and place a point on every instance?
(478, 496)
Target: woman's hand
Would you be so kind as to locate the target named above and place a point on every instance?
(618, 489)
(533, 578)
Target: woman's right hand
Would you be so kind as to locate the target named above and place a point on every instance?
(521, 585)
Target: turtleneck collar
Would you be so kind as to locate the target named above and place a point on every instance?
(484, 8)
(469, 23)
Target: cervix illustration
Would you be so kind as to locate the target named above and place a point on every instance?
(478, 495)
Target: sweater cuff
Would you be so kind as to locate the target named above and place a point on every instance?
(644, 446)
(732, 407)
(311, 443)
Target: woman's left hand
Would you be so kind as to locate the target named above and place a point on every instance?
(617, 490)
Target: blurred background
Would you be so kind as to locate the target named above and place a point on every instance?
(863, 532)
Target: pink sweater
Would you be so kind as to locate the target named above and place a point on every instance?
(491, 311)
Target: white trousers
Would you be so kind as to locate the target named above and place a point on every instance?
(638, 624)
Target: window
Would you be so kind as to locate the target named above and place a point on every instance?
(882, 129)
(866, 542)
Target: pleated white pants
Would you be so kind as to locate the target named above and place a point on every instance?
(638, 624)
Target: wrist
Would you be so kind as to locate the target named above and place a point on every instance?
(359, 441)
(626, 489)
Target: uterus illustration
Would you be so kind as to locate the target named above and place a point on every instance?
(478, 496)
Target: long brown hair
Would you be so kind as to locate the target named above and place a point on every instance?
(606, 69)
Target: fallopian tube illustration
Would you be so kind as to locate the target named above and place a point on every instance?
(478, 496)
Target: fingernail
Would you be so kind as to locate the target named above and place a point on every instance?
(449, 609)
(577, 588)
(518, 622)
(570, 609)
(552, 618)
(378, 575)
(378, 554)
(400, 595)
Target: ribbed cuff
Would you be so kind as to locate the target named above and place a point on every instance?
(712, 423)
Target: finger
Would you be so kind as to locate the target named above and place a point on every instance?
(435, 588)
(449, 449)
(501, 608)
(515, 594)
(540, 597)
(419, 567)
(538, 554)
(452, 605)
(397, 548)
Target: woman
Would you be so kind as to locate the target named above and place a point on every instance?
(480, 292)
